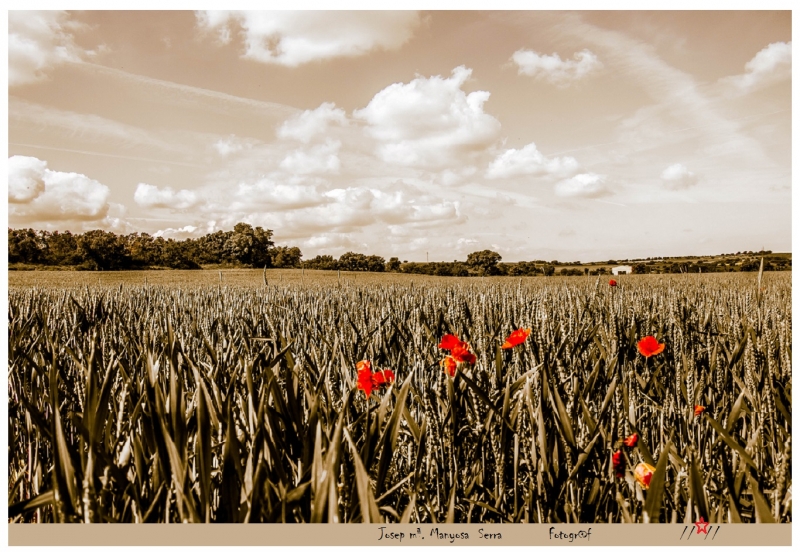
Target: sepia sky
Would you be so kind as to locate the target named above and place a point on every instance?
(540, 135)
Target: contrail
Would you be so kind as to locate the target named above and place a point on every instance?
(590, 146)
(84, 152)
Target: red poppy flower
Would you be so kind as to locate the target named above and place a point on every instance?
(516, 337)
(649, 346)
(643, 474)
(364, 376)
(618, 460)
(612, 283)
(449, 364)
(698, 409)
(367, 381)
(631, 440)
(450, 342)
(461, 354)
(383, 378)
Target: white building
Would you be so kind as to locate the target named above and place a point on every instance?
(624, 269)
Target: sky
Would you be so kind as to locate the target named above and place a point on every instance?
(542, 135)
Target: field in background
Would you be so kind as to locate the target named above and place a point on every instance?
(191, 399)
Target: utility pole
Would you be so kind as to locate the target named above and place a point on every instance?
(426, 257)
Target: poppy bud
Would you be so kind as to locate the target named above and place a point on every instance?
(618, 460)
(643, 473)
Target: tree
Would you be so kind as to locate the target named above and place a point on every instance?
(375, 263)
(393, 265)
(101, 250)
(62, 248)
(23, 246)
(286, 257)
(249, 246)
(484, 262)
(321, 262)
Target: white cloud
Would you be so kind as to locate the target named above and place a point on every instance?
(227, 146)
(37, 42)
(331, 243)
(318, 159)
(429, 122)
(772, 64)
(583, 185)
(187, 231)
(147, 195)
(310, 123)
(276, 196)
(293, 38)
(37, 194)
(25, 178)
(678, 177)
(553, 69)
(529, 161)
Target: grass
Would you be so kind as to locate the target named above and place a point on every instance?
(191, 399)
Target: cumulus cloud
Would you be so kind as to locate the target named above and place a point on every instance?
(529, 161)
(147, 195)
(302, 209)
(38, 194)
(772, 64)
(276, 195)
(25, 178)
(553, 69)
(583, 185)
(678, 177)
(37, 42)
(331, 242)
(312, 122)
(187, 231)
(318, 159)
(293, 38)
(429, 122)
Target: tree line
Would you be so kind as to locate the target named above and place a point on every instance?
(245, 246)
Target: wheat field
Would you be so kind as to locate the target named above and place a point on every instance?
(206, 397)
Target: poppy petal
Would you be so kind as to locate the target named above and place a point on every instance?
(365, 381)
(649, 346)
(631, 440)
(449, 342)
(449, 364)
(516, 337)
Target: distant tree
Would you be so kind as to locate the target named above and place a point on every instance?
(24, 246)
(62, 248)
(393, 265)
(484, 263)
(100, 250)
(321, 262)
(249, 246)
(548, 270)
(354, 262)
(286, 257)
(172, 256)
(375, 263)
(639, 268)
